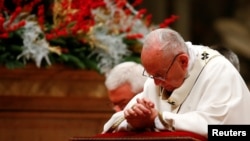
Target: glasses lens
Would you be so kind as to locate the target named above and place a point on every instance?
(150, 76)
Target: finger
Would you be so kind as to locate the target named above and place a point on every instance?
(143, 102)
(129, 113)
(137, 110)
(141, 110)
(140, 101)
(132, 112)
(125, 113)
(147, 102)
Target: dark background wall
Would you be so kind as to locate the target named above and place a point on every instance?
(196, 17)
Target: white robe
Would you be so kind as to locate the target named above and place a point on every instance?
(214, 93)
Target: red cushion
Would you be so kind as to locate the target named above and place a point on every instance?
(176, 135)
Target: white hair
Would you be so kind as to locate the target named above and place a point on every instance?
(169, 40)
(126, 72)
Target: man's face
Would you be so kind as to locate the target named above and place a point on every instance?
(121, 96)
(167, 72)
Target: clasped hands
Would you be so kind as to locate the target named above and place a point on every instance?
(142, 114)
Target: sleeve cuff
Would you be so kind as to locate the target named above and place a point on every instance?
(162, 124)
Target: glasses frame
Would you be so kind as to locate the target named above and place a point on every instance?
(165, 75)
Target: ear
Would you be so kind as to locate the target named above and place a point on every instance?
(183, 59)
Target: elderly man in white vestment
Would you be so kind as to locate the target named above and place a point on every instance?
(189, 87)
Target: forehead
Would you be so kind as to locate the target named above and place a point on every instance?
(152, 50)
(154, 61)
(121, 91)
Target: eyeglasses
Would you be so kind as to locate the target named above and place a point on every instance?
(144, 73)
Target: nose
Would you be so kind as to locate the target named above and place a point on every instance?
(158, 82)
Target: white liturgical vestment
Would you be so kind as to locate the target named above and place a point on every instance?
(213, 93)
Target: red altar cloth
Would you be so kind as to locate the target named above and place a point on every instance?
(170, 136)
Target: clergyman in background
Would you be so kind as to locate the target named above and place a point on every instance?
(229, 54)
(123, 82)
